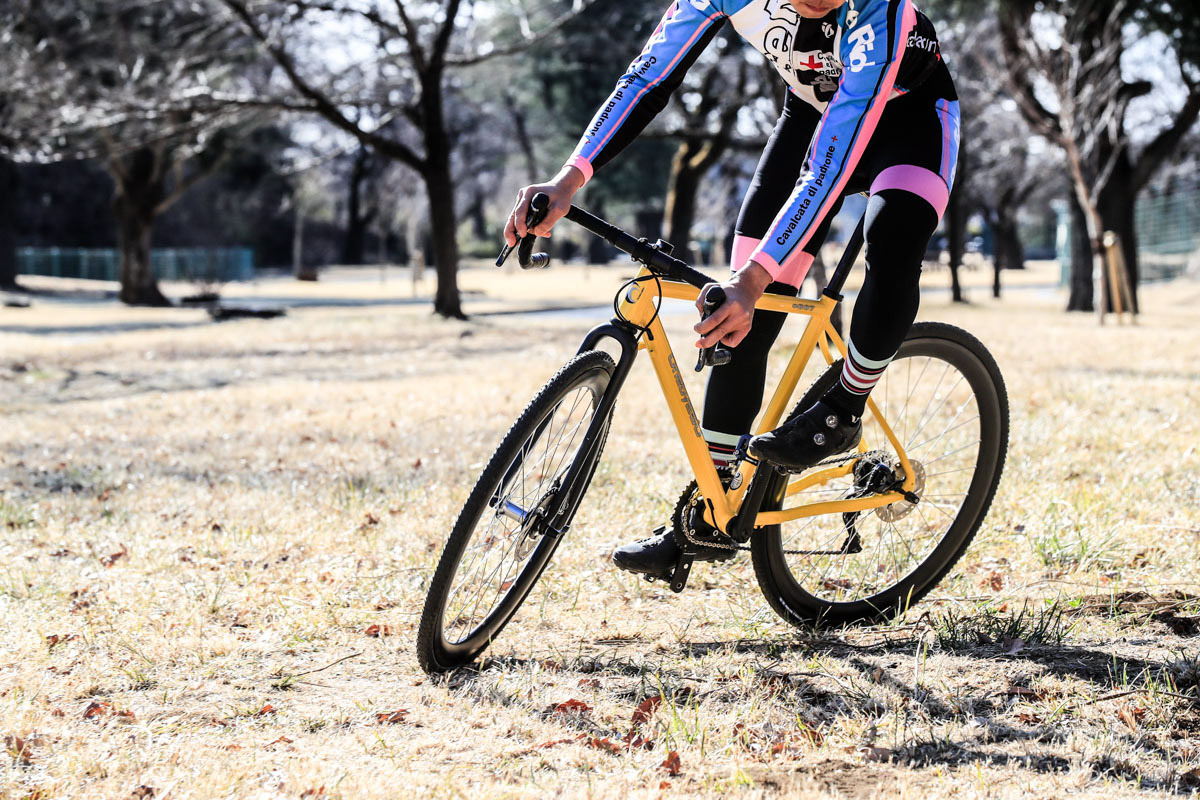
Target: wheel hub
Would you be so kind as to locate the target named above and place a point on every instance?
(902, 508)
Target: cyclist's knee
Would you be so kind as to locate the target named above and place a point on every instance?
(899, 225)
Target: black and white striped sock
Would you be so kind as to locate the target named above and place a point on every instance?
(858, 378)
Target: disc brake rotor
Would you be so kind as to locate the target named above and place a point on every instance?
(902, 508)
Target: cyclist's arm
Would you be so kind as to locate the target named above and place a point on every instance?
(872, 48)
(644, 89)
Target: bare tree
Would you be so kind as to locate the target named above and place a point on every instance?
(1069, 86)
(110, 82)
(393, 101)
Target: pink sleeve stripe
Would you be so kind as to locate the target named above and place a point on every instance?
(922, 182)
(743, 247)
(874, 112)
(682, 52)
(795, 268)
(583, 165)
(768, 263)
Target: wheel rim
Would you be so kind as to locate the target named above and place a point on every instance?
(934, 409)
(504, 543)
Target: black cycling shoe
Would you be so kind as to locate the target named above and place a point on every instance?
(657, 555)
(808, 438)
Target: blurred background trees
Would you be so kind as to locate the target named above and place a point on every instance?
(363, 131)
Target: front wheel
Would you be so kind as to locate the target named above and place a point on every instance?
(945, 400)
(512, 522)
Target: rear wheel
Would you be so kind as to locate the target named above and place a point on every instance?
(945, 400)
(504, 535)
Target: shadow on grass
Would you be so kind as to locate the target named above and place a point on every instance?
(861, 675)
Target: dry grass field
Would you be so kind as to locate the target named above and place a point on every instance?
(216, 540)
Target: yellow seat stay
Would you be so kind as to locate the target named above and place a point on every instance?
(639, 305)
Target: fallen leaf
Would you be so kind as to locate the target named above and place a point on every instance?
(1029, 718)
(1021, 691)
(604, 743)
(143, 792)
(100, 708)
(664, 785)
(547, 745)
(882, 754)
(371, 519)
(232, 747)
(391, 717)
(550, 665)
(589, 683)
(96, 709)
(993, 581)
(1131, 716)
(417, 464)
(571, 706)
(378, 631)
(19, 749)
(672, 765)
(113, 558)
(266, 710)
(645, 710)
(313, 794)
(280, 740)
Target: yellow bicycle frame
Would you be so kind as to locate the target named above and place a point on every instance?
(638, 307)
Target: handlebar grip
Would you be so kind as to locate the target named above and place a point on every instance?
(713, 299)
(715, 355)
(539, 205)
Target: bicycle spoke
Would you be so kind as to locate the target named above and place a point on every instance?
(936, 413)
(493, 559)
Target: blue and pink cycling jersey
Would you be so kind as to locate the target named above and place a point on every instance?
(847, 66)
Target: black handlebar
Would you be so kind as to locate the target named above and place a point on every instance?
(655, 255)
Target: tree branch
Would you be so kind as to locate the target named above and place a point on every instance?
(1167, 141)
(320, 101)
(520, 47)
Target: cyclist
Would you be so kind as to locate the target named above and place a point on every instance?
(870, 107)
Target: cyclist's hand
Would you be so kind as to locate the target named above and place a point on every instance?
(731, 320)
(560, 189)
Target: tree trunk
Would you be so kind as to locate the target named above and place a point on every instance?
(354, 245)
(8, 234)
(439, 189)
(1009, 250)
(1117, 204)
(478, 219)
(443, 224)
(140, 179)
(1082, 297)
(687, 168)
(956, 237)
(139, 287)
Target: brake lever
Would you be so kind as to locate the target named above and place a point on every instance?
(714, 355)
(538, 207)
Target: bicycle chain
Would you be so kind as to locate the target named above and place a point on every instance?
(690, 533)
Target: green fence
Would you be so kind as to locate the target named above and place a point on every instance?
(1168, 229)
(194, 264)
(1168, 232)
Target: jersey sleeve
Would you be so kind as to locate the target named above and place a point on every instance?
(643, 91)
(872, 48)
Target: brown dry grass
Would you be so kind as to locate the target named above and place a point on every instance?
(198, 520)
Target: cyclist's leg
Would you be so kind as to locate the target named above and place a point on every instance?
(735, 391)
(910, 164)
(911, 176)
